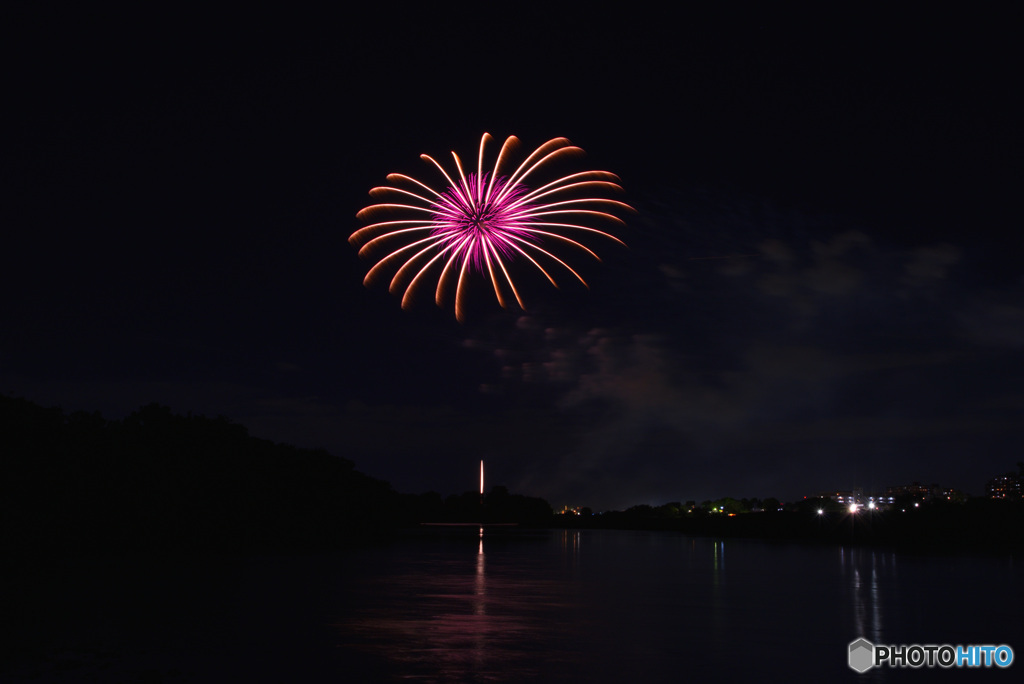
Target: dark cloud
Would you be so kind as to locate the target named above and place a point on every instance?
(851, 358)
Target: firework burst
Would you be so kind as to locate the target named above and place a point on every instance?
(481, 222)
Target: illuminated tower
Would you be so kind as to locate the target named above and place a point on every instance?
(481, 481)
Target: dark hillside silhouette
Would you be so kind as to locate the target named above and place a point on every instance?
(157, 480)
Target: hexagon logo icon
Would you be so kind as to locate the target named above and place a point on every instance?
(862, 655)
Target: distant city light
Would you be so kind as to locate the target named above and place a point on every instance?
(871, 505)
(821, 511)
(853, 508)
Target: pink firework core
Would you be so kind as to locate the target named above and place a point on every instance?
(475, 223)
(480, 222)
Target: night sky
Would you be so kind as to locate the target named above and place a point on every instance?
(822, 287)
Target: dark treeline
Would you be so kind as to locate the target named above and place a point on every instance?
(75, 483)
(158, 480)
(977, 525)
(78, 483)
(498, 506)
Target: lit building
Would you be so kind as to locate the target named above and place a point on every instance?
(914, 491)
(857, 498)
(1008, 486)
(846, 497)
(950, 494)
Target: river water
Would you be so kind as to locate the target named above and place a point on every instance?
(510, 605)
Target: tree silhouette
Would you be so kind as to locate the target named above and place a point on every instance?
(160, 480)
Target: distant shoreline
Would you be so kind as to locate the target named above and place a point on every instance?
(983, 527)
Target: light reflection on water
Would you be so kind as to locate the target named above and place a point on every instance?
(509, 605)
(862, 571)
(606, 606)
(454, 618)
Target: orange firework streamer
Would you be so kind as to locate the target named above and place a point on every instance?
(482, 221)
